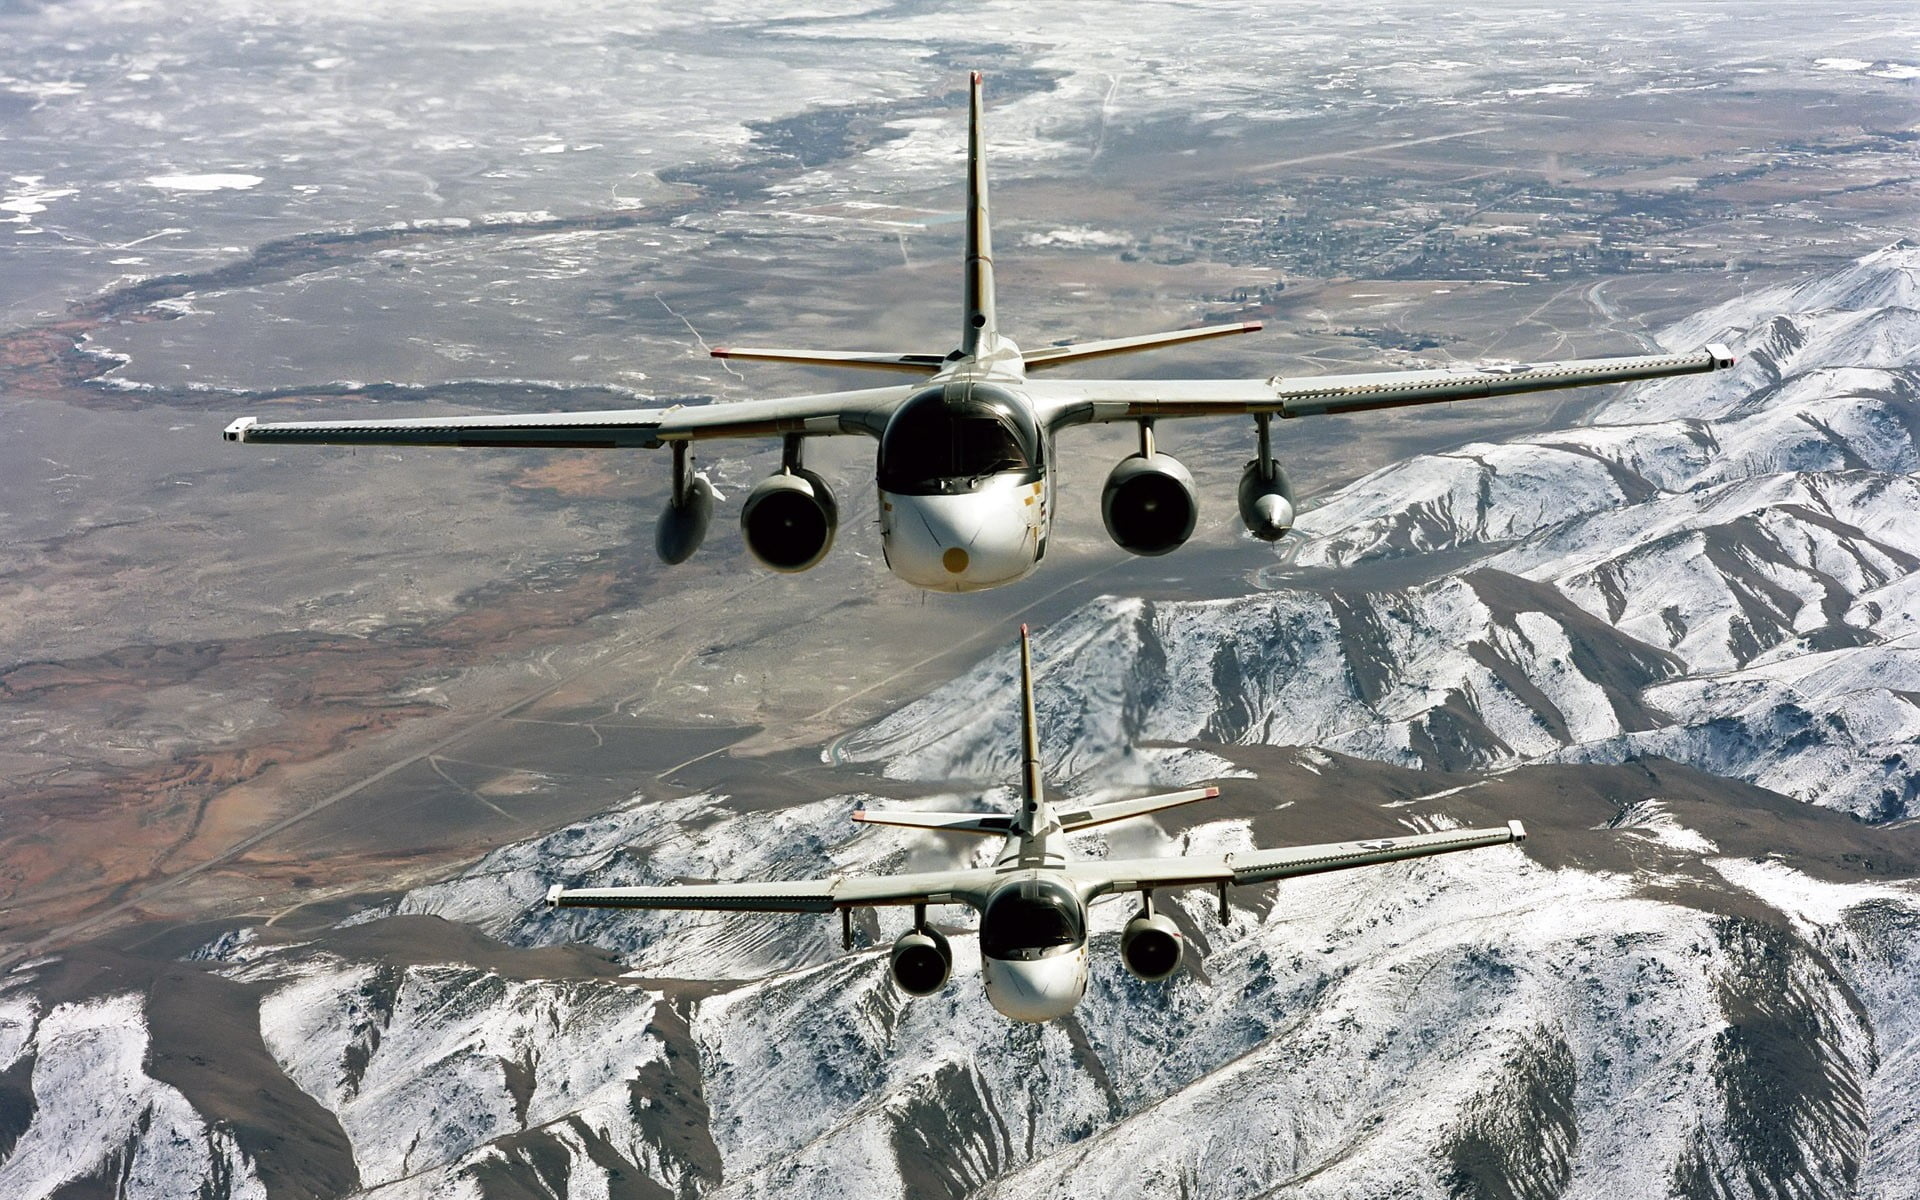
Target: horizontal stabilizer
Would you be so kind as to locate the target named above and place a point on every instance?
(995, 824)
(924, 364)
(1120, 810)
(1054, 356)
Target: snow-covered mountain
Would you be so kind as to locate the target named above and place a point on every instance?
(1650, 630)
(1717, 569)
(1482, 1025)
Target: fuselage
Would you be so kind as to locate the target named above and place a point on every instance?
(1033, 926)
(966, 495)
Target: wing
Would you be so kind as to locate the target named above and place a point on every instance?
(799, 895)
(1085, 401)
(862, 411)
(1262, 866)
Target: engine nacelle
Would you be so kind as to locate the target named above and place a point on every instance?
(683, 524)
(789, 520)
(1266, 501)
(921, 961)
(1152, 947)
(1149, 504)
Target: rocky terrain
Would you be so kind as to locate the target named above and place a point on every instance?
(1671, 638)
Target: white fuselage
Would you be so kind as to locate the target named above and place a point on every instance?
(1038, 989)
(970, 541)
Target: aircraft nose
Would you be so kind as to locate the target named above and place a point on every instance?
(1040, 990)
(958, 543)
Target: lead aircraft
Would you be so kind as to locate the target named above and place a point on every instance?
(1033, 900)
(966, 494)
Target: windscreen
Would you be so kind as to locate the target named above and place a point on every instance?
(1029, 919)
(949, 438)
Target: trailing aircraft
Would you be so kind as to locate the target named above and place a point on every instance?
(1033, 900)
(966, 489)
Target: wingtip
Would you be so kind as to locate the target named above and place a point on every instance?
(1211, 793)
(975, 78)
(1252, 326)
(718, 352)
(860, 814)
(1518, 831)
(553, 896)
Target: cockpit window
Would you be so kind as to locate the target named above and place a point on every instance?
(948, 438)
(1031, 918)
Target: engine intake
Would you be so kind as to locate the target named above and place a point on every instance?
(1151, 946)
(1266, 500)
(921, 961)
(1149, 504)
(789, 520)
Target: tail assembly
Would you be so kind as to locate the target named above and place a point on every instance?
(980, 332)
(1033, 788)
(1057, 356)
(918, 364)
(1120, 810)
(991, 824)
(981, 328)
(1032, 785)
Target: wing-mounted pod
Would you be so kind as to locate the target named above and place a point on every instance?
(683, 524)
(1149, 503)
(789, 519)
(1266, 497)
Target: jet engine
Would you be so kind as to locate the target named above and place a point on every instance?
(1152, 947)
(1266, 500)
(789, 520)
(1149, 504)
(921, 961)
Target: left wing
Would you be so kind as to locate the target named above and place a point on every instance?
(862, 411)
(799, 895)
(1263, 866)
(1086, 401)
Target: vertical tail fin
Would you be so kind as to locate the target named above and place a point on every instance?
(1029, 739)
(980, 324)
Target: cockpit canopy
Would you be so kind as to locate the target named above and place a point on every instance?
(948, 439)
(1030, 919)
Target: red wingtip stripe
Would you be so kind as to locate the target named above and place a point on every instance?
(718, 352)
(976, 77)
(1253, 326)
(859, 814)
(1211, 793)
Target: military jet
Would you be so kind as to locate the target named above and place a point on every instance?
(1033, 900)
(963, 467)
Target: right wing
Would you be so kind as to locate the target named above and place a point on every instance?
(799, 895)
(1263, 866)
(862, 411)
(1085, 401)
